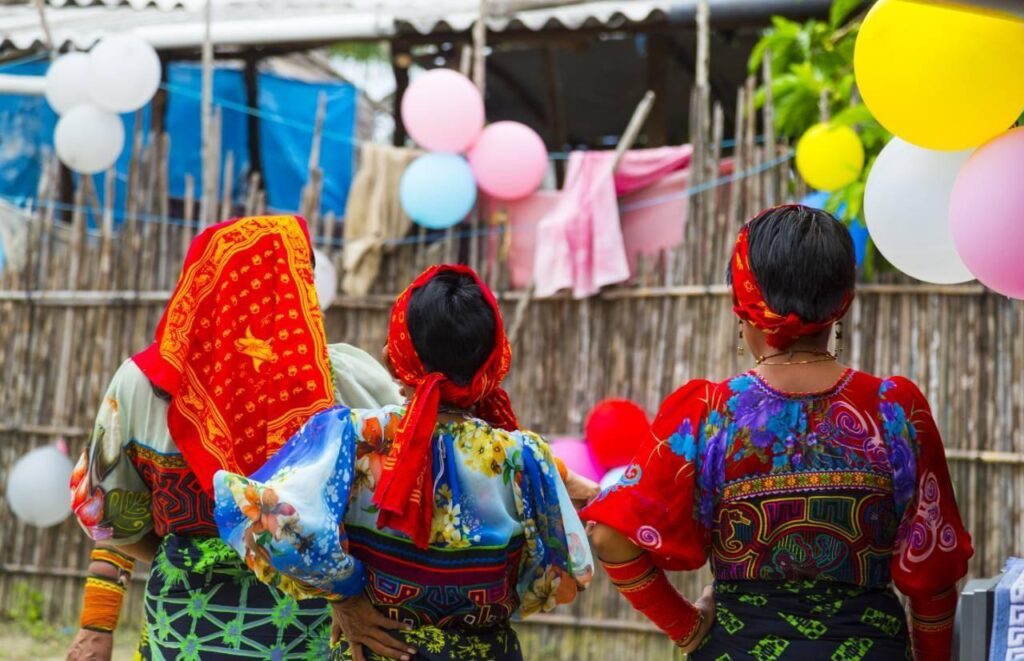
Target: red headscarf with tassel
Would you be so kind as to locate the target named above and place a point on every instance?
(405, 491)
(750, 305)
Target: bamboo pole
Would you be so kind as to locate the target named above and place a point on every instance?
(206, 109)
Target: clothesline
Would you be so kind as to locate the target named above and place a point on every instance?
(469, 233)
(296, 124)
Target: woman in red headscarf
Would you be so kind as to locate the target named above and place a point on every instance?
(442, 514)
(812, 488)
(239, 362)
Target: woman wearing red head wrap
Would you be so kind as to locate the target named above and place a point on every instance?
(239, 363)
(442, 513)
(812, 488)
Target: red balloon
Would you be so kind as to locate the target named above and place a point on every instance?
(617, 429)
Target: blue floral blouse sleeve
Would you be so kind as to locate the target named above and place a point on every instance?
(556, 562)
(286, 519)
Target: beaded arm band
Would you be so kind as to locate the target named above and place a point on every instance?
(103, 595)
(931, 624)
(645, 586)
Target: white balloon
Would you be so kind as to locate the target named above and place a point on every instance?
(88, 139)
(67, 82)
(326, 278)
(124, 73)
(612, 477)
(37, 487)
(906, 207)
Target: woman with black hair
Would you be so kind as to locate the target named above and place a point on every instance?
(439, 518)
(810, 486)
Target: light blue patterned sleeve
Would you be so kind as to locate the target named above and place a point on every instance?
(287, 519)
(557, 562)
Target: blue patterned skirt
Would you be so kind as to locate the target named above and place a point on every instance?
(433, 644)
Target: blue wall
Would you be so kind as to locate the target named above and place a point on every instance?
(288, 108)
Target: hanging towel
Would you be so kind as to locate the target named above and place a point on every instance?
(374, 214)
(580, 244)
(1008, 622)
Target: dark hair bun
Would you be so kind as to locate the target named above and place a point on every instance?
(451, 326)
(803, 260)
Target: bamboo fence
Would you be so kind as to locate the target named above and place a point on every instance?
(86, 299)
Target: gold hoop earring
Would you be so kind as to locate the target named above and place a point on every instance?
(839, 338)
(739, 340)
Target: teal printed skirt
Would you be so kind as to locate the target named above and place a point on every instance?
(804, 620)
(203, 604)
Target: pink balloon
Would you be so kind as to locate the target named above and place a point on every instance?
(577, 457)
(986, 214)
(509, 160)
(443, 111)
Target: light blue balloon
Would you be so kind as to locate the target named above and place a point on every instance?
(816, 199)
(438, 190)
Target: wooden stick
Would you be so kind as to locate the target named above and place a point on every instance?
(206, 113)
(479, 46)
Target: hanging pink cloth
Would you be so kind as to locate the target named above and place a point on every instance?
(580, 244)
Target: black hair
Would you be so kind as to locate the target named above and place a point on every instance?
(451, 326)
(803, 260)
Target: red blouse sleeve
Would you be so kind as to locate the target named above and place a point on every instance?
(933, 547)
(655, 502)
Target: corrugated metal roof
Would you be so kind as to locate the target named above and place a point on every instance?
(178, 24)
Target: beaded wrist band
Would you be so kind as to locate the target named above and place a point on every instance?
(103, 595)
(101, 604)
(113, 557)
(688, 638)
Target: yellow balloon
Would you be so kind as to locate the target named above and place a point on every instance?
(940, 76)
(829, 156)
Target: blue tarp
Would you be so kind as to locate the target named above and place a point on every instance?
(287, 108)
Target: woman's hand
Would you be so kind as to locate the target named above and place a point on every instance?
(361, 624)
(706, 606)
(580, 488)
(91, 645)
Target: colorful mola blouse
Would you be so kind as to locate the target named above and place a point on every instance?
(132, 479)
(847, 487)
(504, 535)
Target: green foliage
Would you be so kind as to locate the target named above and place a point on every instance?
(361, 51)
(811, 66)
(25, 610)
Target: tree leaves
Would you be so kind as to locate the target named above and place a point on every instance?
(841, 9)
(811, 60)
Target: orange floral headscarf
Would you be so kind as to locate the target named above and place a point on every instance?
(241, 347)
(404, 493)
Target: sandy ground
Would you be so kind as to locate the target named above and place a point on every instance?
(17, 645)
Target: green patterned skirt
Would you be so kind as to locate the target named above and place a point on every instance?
(804, 620)
(203, 603)
(434, 644)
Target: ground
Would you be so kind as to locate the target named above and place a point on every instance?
(17, 644)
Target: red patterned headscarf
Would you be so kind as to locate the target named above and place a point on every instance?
(750, 305)
(405, 491)
(241, 347)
